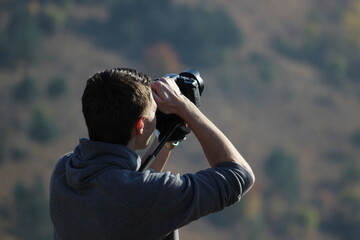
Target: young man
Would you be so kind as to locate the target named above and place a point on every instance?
(96, 191)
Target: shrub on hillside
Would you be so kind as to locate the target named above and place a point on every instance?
(31, 215)
(199, 36)
(21, 37)
(329, 41)
(53, 16)
(56, 87)
(303, 221)
(355, 138)
(26, 90)
(42, 128)
(18, 154)
(282, 171)
(2, 151)
(344, 221)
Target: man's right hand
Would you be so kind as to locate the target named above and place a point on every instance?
(168, 96)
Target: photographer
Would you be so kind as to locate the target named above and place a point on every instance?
(96, 191)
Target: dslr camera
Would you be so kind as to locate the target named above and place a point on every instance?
(191, 86)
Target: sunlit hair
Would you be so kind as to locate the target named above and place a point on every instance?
(112, 102)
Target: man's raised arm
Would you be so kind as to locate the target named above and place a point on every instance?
(215, 144)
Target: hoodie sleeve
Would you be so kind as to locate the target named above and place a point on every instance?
(182, 199)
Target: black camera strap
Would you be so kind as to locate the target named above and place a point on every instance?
(175, 234)
(172, 236)
(152, 156)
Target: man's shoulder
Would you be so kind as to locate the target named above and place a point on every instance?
(63, 159)
(66, 156)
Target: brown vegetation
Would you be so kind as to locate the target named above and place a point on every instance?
(261, 105)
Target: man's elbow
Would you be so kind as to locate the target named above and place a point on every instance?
(249, 180)
(252, 176)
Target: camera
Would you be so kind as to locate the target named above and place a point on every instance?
(191, 86)
(171, 127)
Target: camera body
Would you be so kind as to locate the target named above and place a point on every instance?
(191, 86)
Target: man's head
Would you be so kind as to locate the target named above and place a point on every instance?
(117, 103)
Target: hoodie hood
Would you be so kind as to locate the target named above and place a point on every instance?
(91, 158)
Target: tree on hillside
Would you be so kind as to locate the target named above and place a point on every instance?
(53, 15)
(2, 149)
(41, 127)
(28, 21)
(20, 40)
(282, 170)
(161, 59)
(345, 219)
(30, 215)
(329, 41)
(355, 138)
(283, 191)
(249, 213)
(56, 87)
(26, 90)
(351, 23)
(199, 36)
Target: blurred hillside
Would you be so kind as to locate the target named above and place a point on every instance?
(281, 80)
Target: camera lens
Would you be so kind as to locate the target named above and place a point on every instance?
(194, 74)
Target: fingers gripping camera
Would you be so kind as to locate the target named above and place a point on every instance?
(191, 86)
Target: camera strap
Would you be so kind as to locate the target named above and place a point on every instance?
(145, 165)
(175, 234)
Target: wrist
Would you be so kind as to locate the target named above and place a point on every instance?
(183, 108)
(168, 145)
(171, 145)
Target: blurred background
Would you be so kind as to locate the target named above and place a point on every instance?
(282, 81)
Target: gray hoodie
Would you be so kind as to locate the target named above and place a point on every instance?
(97, 193)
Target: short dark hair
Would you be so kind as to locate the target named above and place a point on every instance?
(112, 102)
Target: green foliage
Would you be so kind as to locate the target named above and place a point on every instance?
(56, 87)
(345, 220)
(195, 33)
(227, 218)
(2, 150)
(351, 172)
(314, 47)
(26, 90)
(53, 17)
(21, 38)
(248, 211)
(336, 65)
(31, 217)
(334, 50)
(336, 155)
(267, 73)
(351, 23)
(303, 221)
(307, 218)
(265, 68)
(41, 127)
(355, 138)
(3, 145)
(18, 154)
(283, 47)
(282, 170)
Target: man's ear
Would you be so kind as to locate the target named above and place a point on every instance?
(139, 126)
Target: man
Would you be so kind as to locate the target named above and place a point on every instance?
(96, 191)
